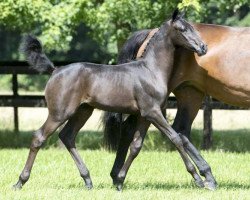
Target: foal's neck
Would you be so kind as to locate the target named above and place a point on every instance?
(159, 55)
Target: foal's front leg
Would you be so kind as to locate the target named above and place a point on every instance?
(155, 116)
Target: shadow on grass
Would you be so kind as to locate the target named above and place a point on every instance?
(174, 186)
(132, 186)
(231, 141)
(232, 185)
(159, 186)
(152, 186)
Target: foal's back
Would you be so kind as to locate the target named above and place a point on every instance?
(106, 87)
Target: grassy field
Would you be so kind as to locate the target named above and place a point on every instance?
(153, 175)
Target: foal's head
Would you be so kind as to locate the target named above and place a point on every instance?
(183, 34)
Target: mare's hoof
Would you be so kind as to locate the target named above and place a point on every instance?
(210, 185)
(115, 182)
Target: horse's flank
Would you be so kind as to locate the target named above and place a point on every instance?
(224, 72)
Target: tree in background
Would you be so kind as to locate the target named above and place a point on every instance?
(109, 21)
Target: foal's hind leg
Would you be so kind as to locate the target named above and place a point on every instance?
(39, 138)
(68, 135)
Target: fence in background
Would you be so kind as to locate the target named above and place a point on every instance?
(15, 100)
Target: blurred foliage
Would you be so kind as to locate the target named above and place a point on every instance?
(110, 21)
(94, 30)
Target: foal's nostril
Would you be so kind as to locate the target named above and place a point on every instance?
(203, 48)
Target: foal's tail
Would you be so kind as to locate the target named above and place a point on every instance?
(33, 51)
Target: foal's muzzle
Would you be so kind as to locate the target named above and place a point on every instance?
(203, 49)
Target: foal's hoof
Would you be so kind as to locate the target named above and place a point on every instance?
(119, 187)
(210, 185)
(89, 187)
(17, 186)
(199, 184)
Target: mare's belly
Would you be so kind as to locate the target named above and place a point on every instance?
(228, 74)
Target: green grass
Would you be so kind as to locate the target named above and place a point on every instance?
(153, 175)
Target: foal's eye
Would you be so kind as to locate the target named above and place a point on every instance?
(182, 29)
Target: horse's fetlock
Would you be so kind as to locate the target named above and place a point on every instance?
(204, 170)
(121, 176)
(85, 175)
(177, 140)
(190, 168)
(24, 176)
(185, 141)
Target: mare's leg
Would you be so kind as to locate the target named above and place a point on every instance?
(68, 135)
(189, 102)
(39, 138)
(127, 134)
(135, 147)
(156, 117)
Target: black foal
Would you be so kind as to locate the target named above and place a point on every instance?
(139, 88)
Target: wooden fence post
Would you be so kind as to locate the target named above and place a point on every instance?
(207, 123)
(15, 94)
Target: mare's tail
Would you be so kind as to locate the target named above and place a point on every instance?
(33, 51)
(112, 129)
(112, 122)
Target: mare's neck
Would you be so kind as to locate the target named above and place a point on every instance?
(159, 55)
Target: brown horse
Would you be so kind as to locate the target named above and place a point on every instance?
(139, 88)
(222, 73)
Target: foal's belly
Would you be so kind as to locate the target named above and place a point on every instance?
(115, 99)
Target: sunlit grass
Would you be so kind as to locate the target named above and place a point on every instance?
(153, 175)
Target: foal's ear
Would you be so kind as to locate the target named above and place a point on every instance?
(182, 14)
(175, 15)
